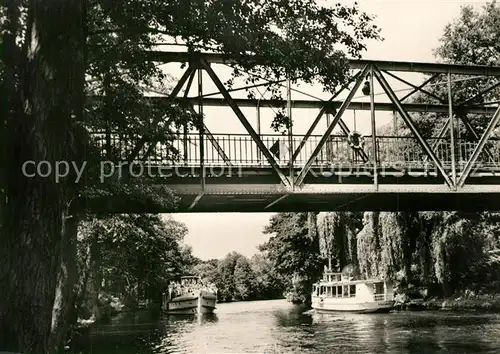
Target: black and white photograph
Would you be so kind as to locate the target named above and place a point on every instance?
(249, 176)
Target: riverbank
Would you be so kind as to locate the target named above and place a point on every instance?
(484, 302)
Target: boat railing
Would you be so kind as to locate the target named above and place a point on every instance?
(379, 297)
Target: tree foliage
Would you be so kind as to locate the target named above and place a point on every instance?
(291, 246)
(294, 250)
(341, 248)
(136, 255)
(470, 39)
(240, 278)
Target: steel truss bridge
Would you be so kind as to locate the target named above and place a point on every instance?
(254, 172)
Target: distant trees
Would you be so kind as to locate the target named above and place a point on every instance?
(240, 278)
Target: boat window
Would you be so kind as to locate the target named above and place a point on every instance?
(323, 290)
(339, 291)
(346, 291)
(334, 291)
(378, 288)
(352, 290)
(329, 291)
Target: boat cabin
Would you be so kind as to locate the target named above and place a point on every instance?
(189, 280)
(339, 286)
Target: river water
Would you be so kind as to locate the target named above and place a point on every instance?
(280, 327)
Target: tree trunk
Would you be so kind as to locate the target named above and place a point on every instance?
(67, 280)
(38, 130)
(95, 277)
(84, 274)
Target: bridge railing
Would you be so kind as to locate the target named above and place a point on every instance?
(241, 150)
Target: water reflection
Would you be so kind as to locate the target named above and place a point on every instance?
(279, 327)
(174, 320)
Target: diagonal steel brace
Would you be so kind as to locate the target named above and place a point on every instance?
(479, 94)
(419, 87)
(479, 148)
(210, 137)
(303, 172)
(323, 110)
(440, 135)
(173, 94)
(474, 132)
(265, 151)
(406, 117)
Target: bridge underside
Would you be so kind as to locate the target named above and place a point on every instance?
(355, 200)
(260, 190)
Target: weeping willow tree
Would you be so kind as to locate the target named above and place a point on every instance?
(337, 237)
(399, 233)
(458, 250)
(369, 241)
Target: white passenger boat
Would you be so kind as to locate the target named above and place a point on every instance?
(338, 292)
(189, 296)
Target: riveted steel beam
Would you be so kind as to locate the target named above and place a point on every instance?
(359, 106)
(316, 104)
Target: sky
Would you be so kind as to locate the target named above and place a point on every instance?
(411, 29)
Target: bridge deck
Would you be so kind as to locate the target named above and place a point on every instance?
(237, 178)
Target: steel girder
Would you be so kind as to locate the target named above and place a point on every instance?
(317, 104)
(416, 67)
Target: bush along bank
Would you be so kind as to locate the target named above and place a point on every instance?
(466, 301)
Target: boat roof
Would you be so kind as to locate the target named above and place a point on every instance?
(349, 282)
